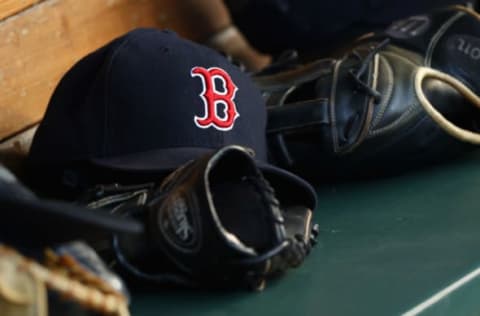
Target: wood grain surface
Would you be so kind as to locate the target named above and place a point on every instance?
(39, 44)
(10, 7)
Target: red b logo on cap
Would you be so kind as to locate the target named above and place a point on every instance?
(213, 99)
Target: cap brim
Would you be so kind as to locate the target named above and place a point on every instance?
(39, 223)
(289, 187)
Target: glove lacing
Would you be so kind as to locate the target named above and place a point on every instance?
(357, 74)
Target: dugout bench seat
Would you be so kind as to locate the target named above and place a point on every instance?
(405, 244)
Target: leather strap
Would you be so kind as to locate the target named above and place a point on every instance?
(297, 116)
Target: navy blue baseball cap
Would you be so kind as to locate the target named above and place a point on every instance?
(149, 101)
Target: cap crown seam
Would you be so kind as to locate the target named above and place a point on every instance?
(107, 94)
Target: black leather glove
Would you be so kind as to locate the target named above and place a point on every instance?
(213, 222)
(395, 100)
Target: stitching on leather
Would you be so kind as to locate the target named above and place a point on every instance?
(385, 100)
(436, 37)
(403, 119)
(368, 114)
(336, 146)
(410, 110)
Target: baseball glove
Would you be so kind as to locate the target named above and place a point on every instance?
(396, 100)
(214, 222)
(67, 285)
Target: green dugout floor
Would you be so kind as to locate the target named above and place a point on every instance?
(407, 244)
